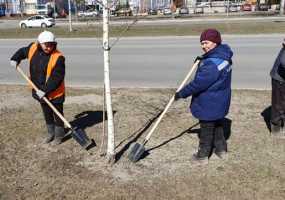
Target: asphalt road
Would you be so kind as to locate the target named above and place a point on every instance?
(151, 62)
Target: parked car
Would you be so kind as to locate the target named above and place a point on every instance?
(123, 12)
(184, 11)
(167, 11)
(37, 21)
(203, 4)
(232, 8)
(246, 7)
(263, 7)
(199, 10)
(87, 13)
(152, 12)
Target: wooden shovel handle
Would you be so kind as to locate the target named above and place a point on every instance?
(44, 98)
(171, 101)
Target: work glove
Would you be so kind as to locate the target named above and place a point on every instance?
(198, 58)
(40, 94)
(13, 63)
(176, 96)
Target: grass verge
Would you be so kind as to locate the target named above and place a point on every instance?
(95, 30)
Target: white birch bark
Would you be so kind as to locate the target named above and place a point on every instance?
(111, 138)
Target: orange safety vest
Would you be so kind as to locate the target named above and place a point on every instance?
(51, 64)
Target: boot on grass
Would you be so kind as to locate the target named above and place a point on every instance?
(199, 159)
(50, 133)
(220, 143)
(206, 137)
(277, 131)
(59, 135)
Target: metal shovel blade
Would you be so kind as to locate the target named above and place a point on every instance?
(136, 152)
(81, 137)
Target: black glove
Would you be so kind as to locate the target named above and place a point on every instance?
(176, 96)
(198, 58)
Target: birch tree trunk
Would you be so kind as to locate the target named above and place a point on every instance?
(111, 140)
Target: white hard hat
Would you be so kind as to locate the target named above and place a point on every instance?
(46, 36)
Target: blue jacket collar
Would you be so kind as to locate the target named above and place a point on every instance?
(222, 51)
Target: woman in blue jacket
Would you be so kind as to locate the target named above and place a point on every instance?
(211, 94)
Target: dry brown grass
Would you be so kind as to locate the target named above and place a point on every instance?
(30, 170)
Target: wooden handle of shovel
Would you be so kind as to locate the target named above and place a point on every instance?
(44, 98)
(171, 101)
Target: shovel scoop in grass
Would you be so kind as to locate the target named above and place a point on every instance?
(78, 134)
(137, 149)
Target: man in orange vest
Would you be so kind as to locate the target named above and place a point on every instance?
(47, 71)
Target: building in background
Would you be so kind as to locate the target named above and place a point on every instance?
(10, 7)
(30, 7)
(60, 7)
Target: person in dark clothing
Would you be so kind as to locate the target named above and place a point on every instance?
(211, 95)
(278, 95)
(47, 72)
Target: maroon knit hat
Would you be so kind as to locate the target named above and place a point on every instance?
(212, 35)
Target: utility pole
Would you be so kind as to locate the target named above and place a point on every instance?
(75, 10)
(21, 7)
(106, 47)
(228, 7)
(69, 16)
(54, 9)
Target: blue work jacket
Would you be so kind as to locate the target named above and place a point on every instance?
(211, 86)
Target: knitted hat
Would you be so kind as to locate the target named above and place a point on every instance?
(212, 35)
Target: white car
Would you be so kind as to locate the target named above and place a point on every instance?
(87, 13)
(167, 11)
(37, 21)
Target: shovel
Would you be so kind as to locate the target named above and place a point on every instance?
(137, 149)
(78, 134)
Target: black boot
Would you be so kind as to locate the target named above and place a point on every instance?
(205, 143)
(220, 142)
(59, 134)
(277, 131)
(50, 133)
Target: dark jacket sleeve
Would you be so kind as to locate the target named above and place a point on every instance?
(56, 77)
(21, 54)
(281, 67)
